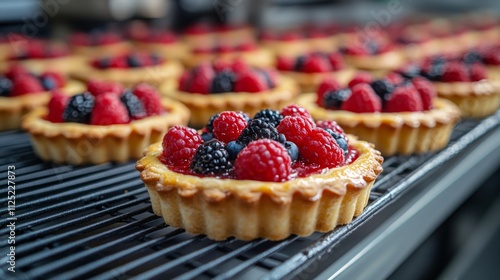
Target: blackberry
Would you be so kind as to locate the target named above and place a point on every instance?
(267, 77)
(372, 47)
(223, 82)
(5, 86)
(104, 62)
(258, 129)
(234, 148)
(410, 72)
(245, 116)
(333, 99)
(382, 88)
(340, 139)
(272, 116)
(434, 72)
(79, 108)
(473, 57)
(210, 124)
(48, 83)
(292, 150)
(299, 63)
(134, 105)
(211, 158)
(133, 61)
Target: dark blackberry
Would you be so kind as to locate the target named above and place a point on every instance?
(372, 47)
(207, 136)
(48, 83)
(410, 71)
(5, 86)
(79, 108)
(210, 124)
(234, 148)
(333, 99)
(434, 72)
(267, 77)
(299, 63)
(272, 116)
(133, 61)
(292, 150)
(223, 82)
(134, 105)
(340, 139)
(104, 62)
(438, 60)
(211, 158)
(382, 88)
(258, 129)
(473, 57)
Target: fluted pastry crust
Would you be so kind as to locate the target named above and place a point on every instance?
(381, 62)
(175, 50)
(261, 57)
(309, 82)
(109, 49)
(65, 64)
(394, 133)
(79, 144)
(247, 209)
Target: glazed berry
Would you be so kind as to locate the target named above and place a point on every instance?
(271, 116)
(228, 126)
(410, 71)
(296, 110)
(97, 87)
(133, 61)
(210, 123)
(361, 77)
(234, 148)
(79, 108)
(299, 63)
(223, 82)
(340, 139)
(109, 110)
(473, 57)
(150, 98)
(426, 91)
(267, 77)
(404, 99)
(5, 86)
(250, 81)
(58, 78)
(292, 149)
(48, 83)
(285, 63)
(184, 81)
(455, 72)
(434, 70)
(336, 60)
(334, 99)
(328, 84)
(320, 148)
(362, 100)
(201, 79)
(295, 128)
(103, 63)
(383, 88)
(207, 136)
(179, 145)
(134, 106)
(258, 129)
(220, 65)
(263, 160)
(211, 158)
(477, 72)
(332, 125)
(316, 63)
(492, 58)
(16, 70)
(394, 78)
(25, 84)
(56, 107)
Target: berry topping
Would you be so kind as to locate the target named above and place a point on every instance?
(5, 86)
(56, 106)
(263, 160)
(25, 84)
(108, 110)
(296, 110)
(285, 63)
(79, 108)
(293, 150)
(383, 88)
(395, 78)
(332, 125)
(179, 145)
(150, 98)
(433, 70)
(410, 71)
(336, 60)
(207, 136)
(295, 128)
(258, 129)
(362, 100)
(455, 72)
(250, 82)
(211, 158)
(340, 139)
(51, 77)
(404, 99)
(201, 79)
(472, 57)
(477, 72)
(321, 148)
(134, 106)
(328, 84)
(97, 87)
(271, 116)
(228, 126)
(335, 98)
(223, 82)
(316, 64)
(426, 90)
(234, 148)
(361, 77)
(210, 123)
(16, 70)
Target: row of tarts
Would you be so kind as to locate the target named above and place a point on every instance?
(269, 152)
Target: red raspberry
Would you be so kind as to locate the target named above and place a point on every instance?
(455, 72)
(108, 38)
(333, 125)
(109, 110)
(228, 126)
(79, 39)
(248, 46)
(250, 81)
(404, 99)
(179, 145)
(221, 64)
(492, 57)
(56, 76)
(239, 66)
(336, 60)
(202, 77)
(263, 160)
(291, 36)
(361, 77)
(16, 70)
(25, 84)
(184, 81)
(362, 100)
(203, 50)
(295, 128)
(316, 64)
(426, 90)
(224, 49)
(328, 84)
(356, 50)
(97, 87)
(150, 97)
(119, 62)
(321, 148)
(394, 78)
(163, 37)
(56, 106)
(285, 63)
(477, 72)
(295, 110)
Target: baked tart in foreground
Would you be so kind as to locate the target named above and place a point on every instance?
(272, 176)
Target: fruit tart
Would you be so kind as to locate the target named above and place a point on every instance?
(464, 80)
(130, 68)
(98, 43)
(200, 34)
(106, 123)
(21, 91)
(310, 69)
(162, 42)
(292, 43)
(213, 87)
(272, 176)
(400, 116)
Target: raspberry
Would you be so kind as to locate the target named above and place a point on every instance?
(285, 63)
(321, 148)
(223, 82)
(79, 108)
(291, 36)
(134, 106)
(394, 78)
(426, 90)
(455, 72)
(361, 77)
(97, 87)
(263, 160)
(355, 50)
(258, 129)
(211, 158)
(404, 99)
(201, 79)
(383, 88)
(316, 64)
(295, 128)
(150, 98)
(179, 145)
(271, 116)
(56, 106)
(362, 100)
(228, 126)
(247, 46)
(109, 110)
(296, 110)
(250, 81)
(492, 58)
(118, 62)
(58, 78)
(184, 81)
(332, 125)
(340, 139)
(16, 70)
(477, 72)
(328, 84)
(224, 49)
(334, 99)
(239, 66)
(336, 60)
(221, 65)
(25, 84)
